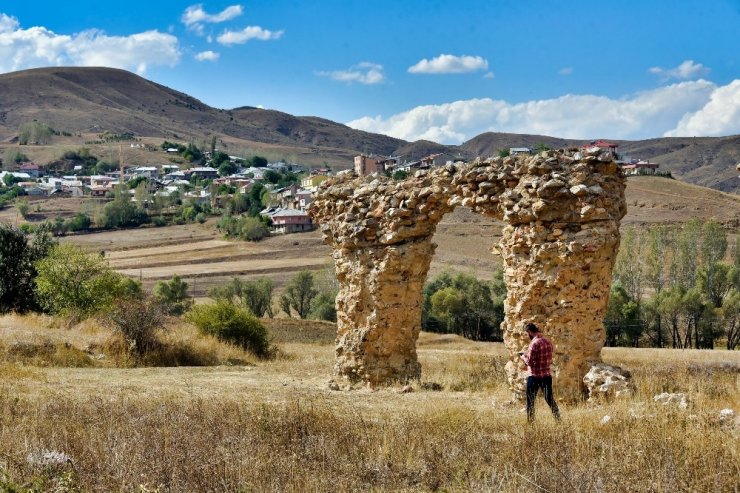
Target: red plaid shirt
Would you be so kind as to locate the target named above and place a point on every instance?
(539, 356)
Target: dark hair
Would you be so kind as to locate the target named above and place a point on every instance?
(530, 327)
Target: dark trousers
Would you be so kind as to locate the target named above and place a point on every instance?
(534, 384)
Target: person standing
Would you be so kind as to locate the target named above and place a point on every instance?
(538, 359)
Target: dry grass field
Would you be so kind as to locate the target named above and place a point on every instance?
(273, 425)
(211, 417)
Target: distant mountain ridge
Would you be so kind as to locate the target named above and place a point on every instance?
(93, 99)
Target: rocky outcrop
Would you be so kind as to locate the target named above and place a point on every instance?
(562, 212)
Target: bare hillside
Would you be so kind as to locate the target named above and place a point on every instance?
(85, 101)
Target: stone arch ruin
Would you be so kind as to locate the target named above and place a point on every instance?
(562, 212)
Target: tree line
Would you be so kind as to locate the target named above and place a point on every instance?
(675, 287)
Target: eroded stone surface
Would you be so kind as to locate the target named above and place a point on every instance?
(558, 250)
(604, 382)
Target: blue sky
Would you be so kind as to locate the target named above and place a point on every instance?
(441, 70)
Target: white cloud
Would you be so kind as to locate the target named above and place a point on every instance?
(365, 73)
(248, 33)
(8, 24)
(194, 16)
(565, 71)
(489, 75)
(449, 64)
(209, 55)
(38, 47)
(686, 70)
(641, 115)
(720, 116)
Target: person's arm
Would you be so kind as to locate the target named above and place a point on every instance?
(526, 357)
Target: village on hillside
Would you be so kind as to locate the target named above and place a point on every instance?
(221, 176)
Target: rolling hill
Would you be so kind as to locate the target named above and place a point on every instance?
(89, 100)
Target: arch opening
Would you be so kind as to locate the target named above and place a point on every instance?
(562, 213)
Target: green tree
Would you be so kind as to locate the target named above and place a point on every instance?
(121, 212)
(252, 229)
(731, 318)
(79, 222)
(271, 176)
(227, 168)
(687, 254)
(622, 320)
(72, 281)
(324, 306)
(464, 305)
(13, 155)
(628, 268)
(173, 295)
(255, 295)
(503, 152)
(257, 162)
(299, 293)
(716, 280)
(400, 174)
(18, 256)
(34, 133)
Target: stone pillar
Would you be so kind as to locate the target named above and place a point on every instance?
(558, 276)
(379, 311)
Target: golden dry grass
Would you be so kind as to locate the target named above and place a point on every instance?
(275, 426)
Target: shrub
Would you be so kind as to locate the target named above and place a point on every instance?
(232, 323)
(137, 320)
(159, 221)
(173, 294)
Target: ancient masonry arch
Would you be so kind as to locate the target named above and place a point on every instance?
(562, 211)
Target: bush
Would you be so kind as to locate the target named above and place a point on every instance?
(72, 281)
(137, 320)
(232, 323)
